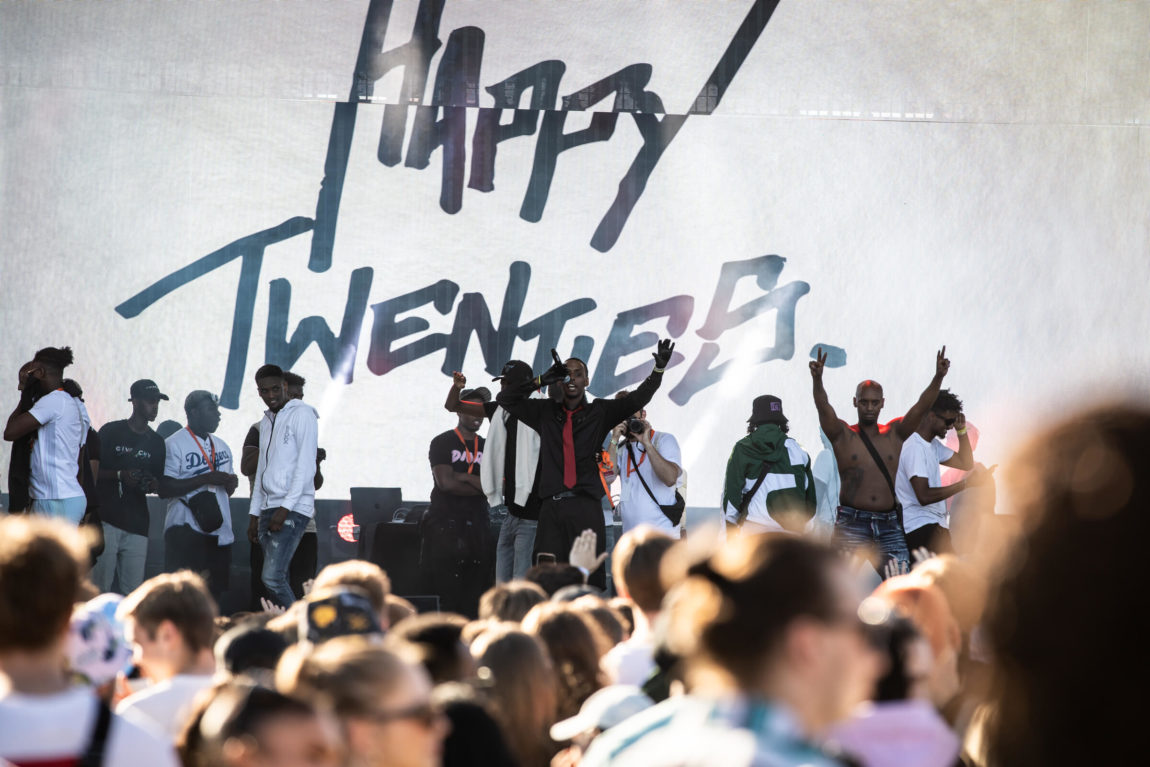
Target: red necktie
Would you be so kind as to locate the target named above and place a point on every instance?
(569, 451)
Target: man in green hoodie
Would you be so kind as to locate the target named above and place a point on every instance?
(768, 486)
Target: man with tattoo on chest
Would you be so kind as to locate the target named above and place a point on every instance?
(867, 457)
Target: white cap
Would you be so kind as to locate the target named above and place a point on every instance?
(603, 710)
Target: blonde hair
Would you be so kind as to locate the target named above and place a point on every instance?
(350, 674)
(356, 572)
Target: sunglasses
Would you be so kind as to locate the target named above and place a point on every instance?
(948, 421)
(425, 714)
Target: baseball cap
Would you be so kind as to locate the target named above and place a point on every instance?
(767, 409)
(338, 612)
(480, 394)
(515, 371)
(146, 388)
(196, 398)
(97, 649)
(603, 710)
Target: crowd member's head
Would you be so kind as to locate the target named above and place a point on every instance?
(436, 640)
(202, 409)
(575, 645)
(625, 609)
(575, 591)
(576, 383)
(767, 409)
(251, 650)
(338, 611)
(167, 428)
(170, 620)
(775, 617)
(1062, 622)
(636, 564)
(926, 607)
(552, 576)
(510, 601)
(270, 387)
(46, 370)
(943, 414)
(145, 397)
(238, 724)
(868, 401)
(366, 576)
(398, 609)
(474, 738)
(479, 395)
(293, 385)
(963, 586)
(41, 563)
(520, 685)
(383, 702)
(608, 619)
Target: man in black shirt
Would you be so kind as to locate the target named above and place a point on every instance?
(455, 530)
(131, 464)
(571, 435)
(510, 475)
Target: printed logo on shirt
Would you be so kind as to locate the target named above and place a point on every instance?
(458, 455)
(194, 460)
(130, 452)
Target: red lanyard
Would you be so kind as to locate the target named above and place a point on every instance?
(212, 462)
(471, 457)
(642, 458)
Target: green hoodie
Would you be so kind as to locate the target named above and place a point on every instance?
(767, 444)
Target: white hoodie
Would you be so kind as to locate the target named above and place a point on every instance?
(286, 471)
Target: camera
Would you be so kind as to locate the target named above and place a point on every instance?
(636, 425)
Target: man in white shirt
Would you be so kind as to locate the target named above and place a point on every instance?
(170, 621)
(283, 493)
(44, 717)
(198, 480)
(649, 467)
(918, 484)
(60, 423)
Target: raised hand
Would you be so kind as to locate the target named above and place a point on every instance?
(941, 364)
(818, 363)
(582, 552)
(458, 380)
(557, 373)
(663, 355)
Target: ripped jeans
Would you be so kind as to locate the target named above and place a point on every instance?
(278, 550)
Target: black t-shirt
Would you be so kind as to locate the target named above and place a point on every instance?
(122, 449)
(450, 449)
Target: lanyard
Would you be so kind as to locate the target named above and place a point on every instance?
(642, 458)
(471, 457)
(212, 461)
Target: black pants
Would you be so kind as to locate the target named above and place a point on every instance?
(302, 569)
(562, 520)
(455, 557)
(185, 549)
(934, 538)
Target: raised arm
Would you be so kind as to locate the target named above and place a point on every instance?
(829, 421)
(618, 409)
(455, 405)
(964, 458)
(909, 423)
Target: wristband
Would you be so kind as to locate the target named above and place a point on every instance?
(960, 432)
(658, 370)
(585, 571)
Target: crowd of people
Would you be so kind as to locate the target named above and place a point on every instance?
(875, 638)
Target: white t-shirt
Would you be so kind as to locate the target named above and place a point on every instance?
(631, 661)
(63, 428)
(635, 504)
(54, 728)
(185, 458)
(920, 458)
(165, 706)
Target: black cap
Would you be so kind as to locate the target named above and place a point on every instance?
(146, 389)
(767, 409)
(516, 372)
(480, 393)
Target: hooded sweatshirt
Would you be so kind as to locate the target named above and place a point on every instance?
(788, 485)
(285, 473)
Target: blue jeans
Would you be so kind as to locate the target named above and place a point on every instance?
(876, 532)
(279, 547)
(513, 551)
(71, 509)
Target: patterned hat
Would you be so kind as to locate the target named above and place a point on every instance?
(97, 649)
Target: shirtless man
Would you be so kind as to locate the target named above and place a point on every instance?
(867, 514)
